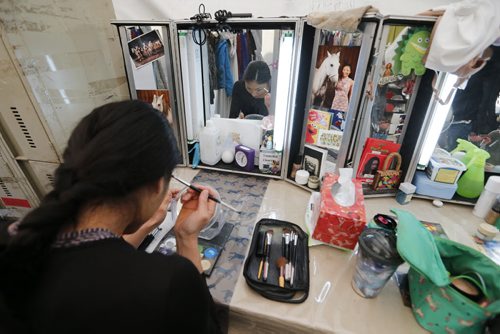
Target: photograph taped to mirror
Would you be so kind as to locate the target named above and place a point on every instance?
(330, 139)
(146, 48)
(159, 99)
(335, 67)
(314, 160)
(316, 121)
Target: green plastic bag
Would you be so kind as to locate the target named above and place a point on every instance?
(436, 306)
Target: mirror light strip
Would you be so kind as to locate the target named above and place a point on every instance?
(438, 118)
(284, 73)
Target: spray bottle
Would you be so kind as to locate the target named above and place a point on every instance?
(464, 146)
(471, 183)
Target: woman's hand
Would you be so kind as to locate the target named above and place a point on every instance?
(196, 212)
(267, 101)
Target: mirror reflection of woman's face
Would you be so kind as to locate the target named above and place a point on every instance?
(257, 90)
(346, 71)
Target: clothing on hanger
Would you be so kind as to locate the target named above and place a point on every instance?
(224, 74)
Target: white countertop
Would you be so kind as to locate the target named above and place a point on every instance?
(343, 311)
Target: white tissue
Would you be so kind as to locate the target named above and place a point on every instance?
(346, 194)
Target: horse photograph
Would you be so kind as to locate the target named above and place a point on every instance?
(328, 72)
(326, 76)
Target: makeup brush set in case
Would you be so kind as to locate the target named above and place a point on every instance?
(277, 265)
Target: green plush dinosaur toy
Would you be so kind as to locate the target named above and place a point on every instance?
(413, 49)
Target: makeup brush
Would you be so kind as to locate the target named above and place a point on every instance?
(261, 251)
(269, 240)
(294, 258)
(281, 262)
(187, 184)
(286, 252)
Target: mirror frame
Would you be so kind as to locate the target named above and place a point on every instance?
(250, 23)
(170, 72)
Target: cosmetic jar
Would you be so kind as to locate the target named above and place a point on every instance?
(313, 182)
(486, 232)
(302, 176)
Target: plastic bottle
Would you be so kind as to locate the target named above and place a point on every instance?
(464, 146)
(346, 194)
(471, 183)
(210, 144)
(490, 192)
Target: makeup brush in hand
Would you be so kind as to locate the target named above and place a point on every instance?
(280, 263)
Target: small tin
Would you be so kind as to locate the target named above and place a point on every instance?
(313, 182)
(405, 193)
(485, 232)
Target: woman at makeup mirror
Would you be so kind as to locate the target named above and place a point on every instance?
(251, 96)
(67, 267)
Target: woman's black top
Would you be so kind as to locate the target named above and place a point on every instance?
(243, 101)
(107, 286)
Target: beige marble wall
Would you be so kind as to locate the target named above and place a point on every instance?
(70, 55)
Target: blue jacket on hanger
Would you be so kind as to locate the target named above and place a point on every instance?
(224, 74)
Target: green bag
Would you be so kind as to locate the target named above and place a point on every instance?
(436, 306)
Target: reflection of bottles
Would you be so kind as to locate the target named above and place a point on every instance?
(297, 164)
(471, 183)
(488, 195)
(492, 216)
(210, 144)
(345, 195)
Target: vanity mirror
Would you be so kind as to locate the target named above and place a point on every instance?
(474, 113)
(148, 62)
(330, 85)
(471, 114)
(237, 83)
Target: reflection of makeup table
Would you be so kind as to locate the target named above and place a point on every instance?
(342, 310)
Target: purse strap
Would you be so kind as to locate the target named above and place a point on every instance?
(478, 282)
(388, 160)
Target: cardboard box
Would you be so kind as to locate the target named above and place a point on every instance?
(337, 225)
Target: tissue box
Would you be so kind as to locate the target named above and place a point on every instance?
(337, 225)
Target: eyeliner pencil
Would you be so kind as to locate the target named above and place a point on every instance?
(187, 184)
